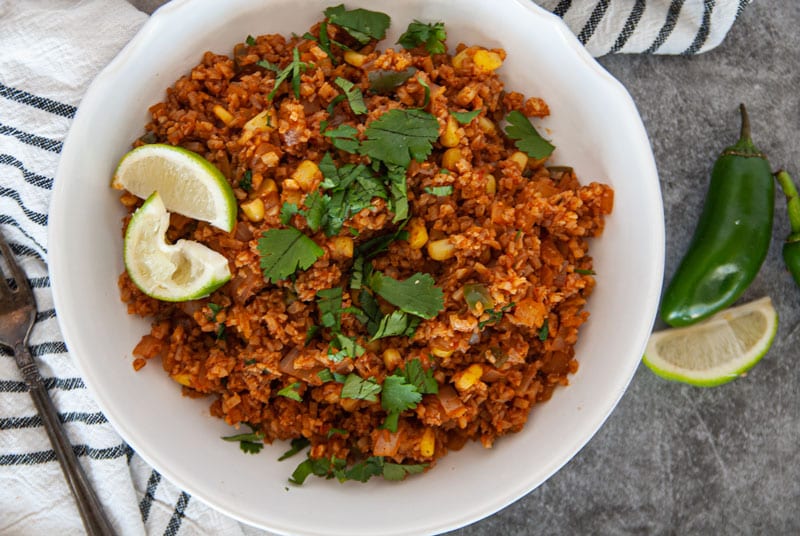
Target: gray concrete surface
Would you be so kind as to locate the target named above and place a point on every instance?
(674, 459)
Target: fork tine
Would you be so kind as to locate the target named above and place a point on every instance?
(16, 271)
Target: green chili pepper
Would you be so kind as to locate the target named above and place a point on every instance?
(732, 236)
(791, 248)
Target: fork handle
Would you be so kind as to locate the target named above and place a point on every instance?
(94, 519)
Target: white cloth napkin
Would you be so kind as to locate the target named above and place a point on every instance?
(50, 50)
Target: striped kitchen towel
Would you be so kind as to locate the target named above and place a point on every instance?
(47, 59)
(648, 26)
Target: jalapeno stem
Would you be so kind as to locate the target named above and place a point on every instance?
(792, 203)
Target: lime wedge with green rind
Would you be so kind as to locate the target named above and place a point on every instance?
(188, 183)
(716, 350)
(185, 270)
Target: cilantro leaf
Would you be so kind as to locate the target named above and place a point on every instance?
(297, 444)
(344, 137)
(396, 323)
(400, 135)
(377, 245)
(397, 395)
(398, 190)
(360, 389)
(383, 81)
(495, 315)
(327, 376)
(311, 466)
(439, 191)
(363, 25)
(345, 346)
(330, 307)
(420, 378)
(353, 94)
(283, 251)
(250, 41)
(416, 295)
(545, 330)
(425, 85)
(317, 207)
(527, 139)
(581, 271)
(365, 469)
(465, 117)
(249, 442)
(293, 70)
(398, 471)
(290, 391)
(287, 211)
(246, 182)
(420, 33)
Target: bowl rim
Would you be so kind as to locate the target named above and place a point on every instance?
(58, 256)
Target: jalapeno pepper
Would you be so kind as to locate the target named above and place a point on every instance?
(791, 248)
(732, 236)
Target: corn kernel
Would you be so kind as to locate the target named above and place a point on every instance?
(417, 233)
(449, 137)
(254, 210)
(486, 125)
(450, 158)
(263, 120)
(520, 159)
(356, 59)
(391, 358)
(441, 250)
(342, 247)
(268, 186)
(487, 61)
(224, 115)
(427, 445)
(183, 379)
(441, 352)
(458, 59)
(306, 175)
(469, 377)
(491, 184)
(293, 196)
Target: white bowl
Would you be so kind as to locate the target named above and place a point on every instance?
(597, 130)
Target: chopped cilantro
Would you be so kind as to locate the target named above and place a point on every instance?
(290, 391)
(344, 346)
(439, 190)
(246, 182)
(430, 35)
(398, 190)
(400, 135)
(360, 389)
(327, 376)
(317, 205)
(416, 295)
(344, 137)
(291, 71)
(397, 323)
(319, 467)
(527, 139)
(297, 445)
(287, 211)
(365, 469)
(383, 81)
(398, 471)
(250, 41)
(249, 442)
(363, 25)
(353, 94)
(329, 303)
(333, 431)
(585, 272)
(215, 309)
(425, 85)
(397, 395)
(311, 332)
(422, 379)
(265, 64)
(379, 244)
(284, 251)
(495, 315)
(545, 331)
(465, 117)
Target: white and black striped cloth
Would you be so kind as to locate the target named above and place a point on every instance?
(47, 59)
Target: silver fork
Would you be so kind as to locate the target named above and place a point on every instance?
(17, 315)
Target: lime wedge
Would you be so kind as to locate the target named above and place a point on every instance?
(188, 183)
(716, 350)
(183, 271)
